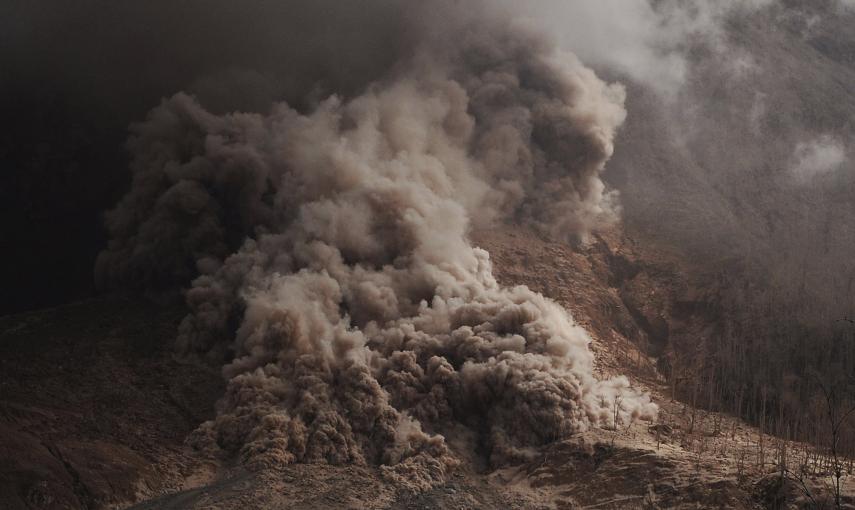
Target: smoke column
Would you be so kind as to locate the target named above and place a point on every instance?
(332, 264)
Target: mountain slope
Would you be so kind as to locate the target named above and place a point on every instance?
(95, 408)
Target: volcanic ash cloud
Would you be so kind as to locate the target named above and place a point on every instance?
(334, 270)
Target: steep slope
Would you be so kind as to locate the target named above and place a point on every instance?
(95, 408)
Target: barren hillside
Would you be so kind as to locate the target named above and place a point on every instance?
(96, 407)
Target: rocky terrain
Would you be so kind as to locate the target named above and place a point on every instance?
(95, 407)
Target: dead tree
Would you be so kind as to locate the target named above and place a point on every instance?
(839, 398)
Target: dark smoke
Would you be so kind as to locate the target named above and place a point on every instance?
(75, 75)
(335, 268)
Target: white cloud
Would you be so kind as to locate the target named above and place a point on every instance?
(816, 157)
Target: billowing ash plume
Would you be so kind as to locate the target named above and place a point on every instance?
(334, 265)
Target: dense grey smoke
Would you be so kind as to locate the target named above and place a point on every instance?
(335, 267)
(76, 74)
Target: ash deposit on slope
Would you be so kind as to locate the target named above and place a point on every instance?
(332, 264)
